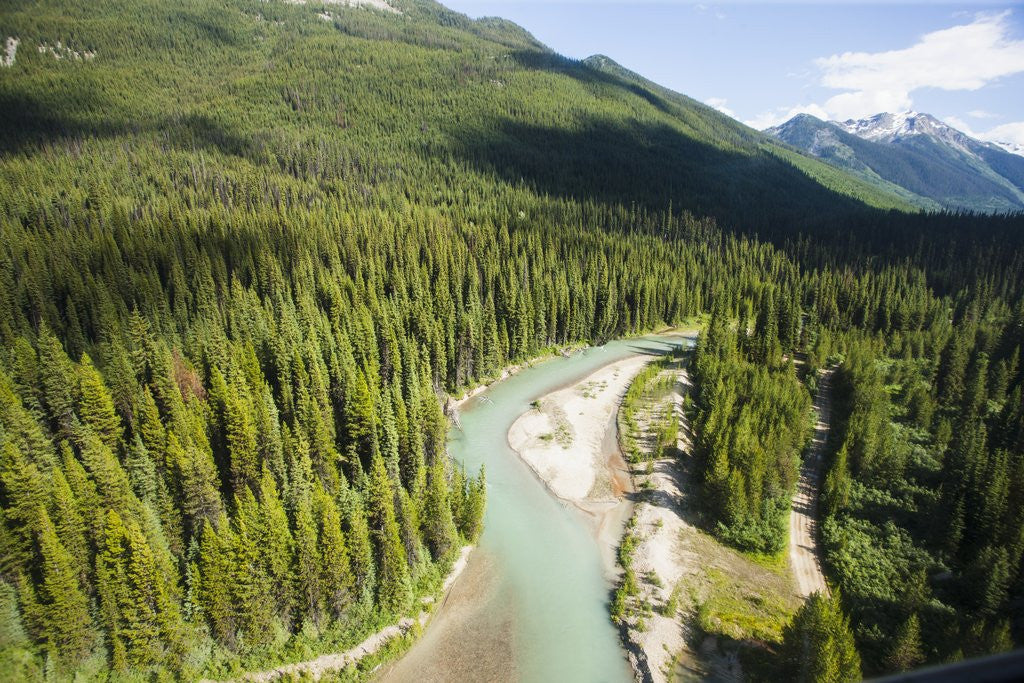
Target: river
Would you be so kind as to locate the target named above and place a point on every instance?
(532, 604)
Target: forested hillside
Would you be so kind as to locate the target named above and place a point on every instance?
(247, 247)
(923, 521)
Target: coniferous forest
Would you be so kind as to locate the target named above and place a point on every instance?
(246, 253)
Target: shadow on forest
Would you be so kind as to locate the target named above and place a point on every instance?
(76, 113)
(627, 162)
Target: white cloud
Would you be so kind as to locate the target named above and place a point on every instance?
(961, 126)
(1008, 132)
(774, 117)
(721, 105)
(862, 103)
(964, 57)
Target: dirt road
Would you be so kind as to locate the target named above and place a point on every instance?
(804, 553)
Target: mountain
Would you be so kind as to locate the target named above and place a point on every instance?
(916, 156)
(612, 141)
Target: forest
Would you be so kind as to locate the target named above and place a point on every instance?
(924, 520)
(234, 300)
(750, 417)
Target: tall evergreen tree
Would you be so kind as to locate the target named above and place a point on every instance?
(818, 644)
(394, 589)
(63, 611)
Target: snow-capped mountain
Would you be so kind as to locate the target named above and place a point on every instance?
(1011, 147)
(931, 163)
(887, 127)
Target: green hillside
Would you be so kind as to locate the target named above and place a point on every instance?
(259, 81)
(247, 248)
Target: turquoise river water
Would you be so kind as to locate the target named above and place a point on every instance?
(533, 603)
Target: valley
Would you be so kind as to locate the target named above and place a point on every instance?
(301, 300)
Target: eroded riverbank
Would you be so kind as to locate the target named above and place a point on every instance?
(688, 603)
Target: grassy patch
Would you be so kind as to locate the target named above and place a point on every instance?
(737, 610)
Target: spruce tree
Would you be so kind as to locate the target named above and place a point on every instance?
(905, 652)
(142, 620)
(63, 607)
(394, 589)
(336, 577)
(214, 576)
(475, 504)
(817, 645)
(360, 547)
(96, 407)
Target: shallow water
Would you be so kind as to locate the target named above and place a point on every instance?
(538, 571)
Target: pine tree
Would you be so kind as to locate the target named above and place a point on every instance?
(364, 572)
(214, 570)
(308, 562)
(475, 504)
(394, 590)
(275, 540)
(360, 423)
(836, 490)
(63, 607)
(70, 527)
(438, 526)
(141, 618)
(96, 407)
(196, 476)
(905, 652)
(236, 424)
(817, 645)
(252, 592)
(336, 578)
(24, 493)
(57, 375)
(150, 428)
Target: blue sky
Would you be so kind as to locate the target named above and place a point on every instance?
(764, 62)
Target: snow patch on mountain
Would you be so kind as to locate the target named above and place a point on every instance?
(1011, 147)
(881, 127)
(375, 4)
(886, 127)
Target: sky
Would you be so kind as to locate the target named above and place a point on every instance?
(764, 62)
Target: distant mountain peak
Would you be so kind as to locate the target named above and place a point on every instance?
(919, 153)
(600, 60)
(888, 127)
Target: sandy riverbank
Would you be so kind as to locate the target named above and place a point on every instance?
(720, 596)
(570, 441)
(563, 438)
(658, 640)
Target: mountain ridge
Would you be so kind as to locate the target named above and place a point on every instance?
(938, 165)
